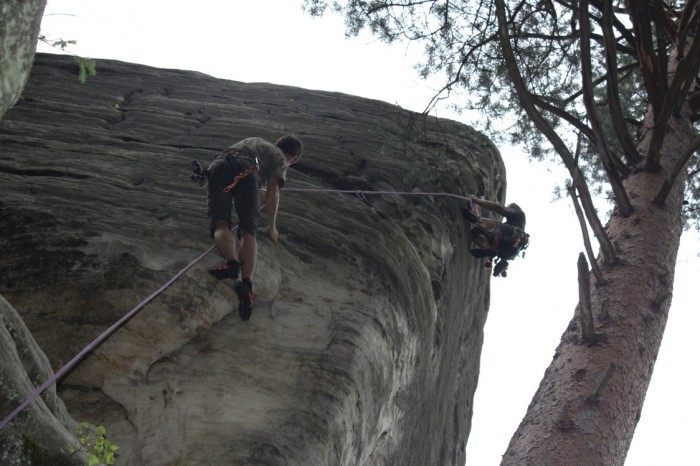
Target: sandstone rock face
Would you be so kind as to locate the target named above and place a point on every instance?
(19, 28)
(364, 347)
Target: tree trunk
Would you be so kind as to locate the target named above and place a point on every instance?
(590, 399)
(20, 22)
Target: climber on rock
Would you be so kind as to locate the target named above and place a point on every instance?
(493, 238)
(234, 180)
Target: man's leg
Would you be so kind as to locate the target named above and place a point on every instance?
(247, 204)
(244, 288)
(224, 240)
(248, 255)
(219, 205)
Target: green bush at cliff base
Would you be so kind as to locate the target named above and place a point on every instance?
(94, 442)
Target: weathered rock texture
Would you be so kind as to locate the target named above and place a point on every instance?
(364, 347)
(19, 28)
(44, 434)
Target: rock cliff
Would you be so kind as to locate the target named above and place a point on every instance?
(364, 347)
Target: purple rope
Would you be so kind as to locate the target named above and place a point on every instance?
(350, 191)
(160, 290)
(99, 340)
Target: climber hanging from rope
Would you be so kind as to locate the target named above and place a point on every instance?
(234, 180)
(494, 239)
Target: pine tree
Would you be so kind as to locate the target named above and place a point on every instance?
(611, 88)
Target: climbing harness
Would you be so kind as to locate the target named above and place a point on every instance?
(201, 177)
(518, 243)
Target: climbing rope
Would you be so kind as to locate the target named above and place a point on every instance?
(100, 339)
(103, 336)
(364, 193)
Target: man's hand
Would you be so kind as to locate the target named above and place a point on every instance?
(273, 234)
(493, 206)
(272, 203)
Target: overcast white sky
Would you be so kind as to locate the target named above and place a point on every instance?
(273, 41)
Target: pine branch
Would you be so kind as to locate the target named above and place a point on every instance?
(670, 180)
(614, 105)
(654, 82)
(584, 301)
(586, 239)
(683, 78)
(551, 135)
(563, 114)
(621, 28)
(582, 222)
(613, 167)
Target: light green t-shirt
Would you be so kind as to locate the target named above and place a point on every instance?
(270, 157)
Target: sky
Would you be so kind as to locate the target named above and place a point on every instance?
(275, 41)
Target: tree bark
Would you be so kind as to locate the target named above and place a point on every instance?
(20, 22)
(590, 399)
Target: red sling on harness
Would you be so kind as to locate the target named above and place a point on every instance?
(239, 177)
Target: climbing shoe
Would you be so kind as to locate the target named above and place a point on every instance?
(500, 269)
(246, 298)
(226, 269)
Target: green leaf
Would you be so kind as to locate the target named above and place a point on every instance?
(94, 460)
(86, 66)
(82, 74)
(101, 430)
(84, 424)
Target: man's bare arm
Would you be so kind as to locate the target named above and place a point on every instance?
(493, 206)
(272, 202)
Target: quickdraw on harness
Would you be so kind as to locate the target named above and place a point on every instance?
(200, 175)
(373, 208)
(524, 243)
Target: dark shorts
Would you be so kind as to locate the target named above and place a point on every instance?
(245, 197)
